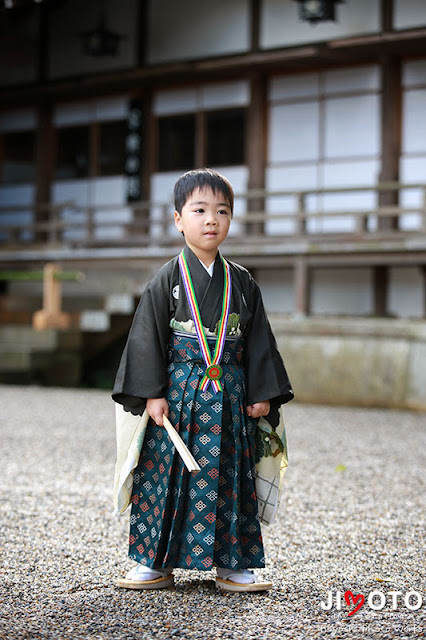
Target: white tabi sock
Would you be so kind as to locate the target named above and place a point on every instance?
(142, 573)
(242, 576)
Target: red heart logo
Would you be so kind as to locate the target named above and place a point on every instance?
(351, 599)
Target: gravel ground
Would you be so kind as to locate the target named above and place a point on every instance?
(351, 520)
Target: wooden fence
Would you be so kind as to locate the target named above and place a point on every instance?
(259, 215)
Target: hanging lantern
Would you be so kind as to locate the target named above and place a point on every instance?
(314, 11)
(100, 41)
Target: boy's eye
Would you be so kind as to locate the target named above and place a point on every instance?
(199, 210)
(223, 211)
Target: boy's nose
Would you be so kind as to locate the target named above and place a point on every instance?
(211, 219)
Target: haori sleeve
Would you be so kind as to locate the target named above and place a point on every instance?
(266, 375)
(142, 372)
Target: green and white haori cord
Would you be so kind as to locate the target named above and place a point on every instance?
(214, 370)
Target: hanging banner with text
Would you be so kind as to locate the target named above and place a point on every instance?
(133, 151)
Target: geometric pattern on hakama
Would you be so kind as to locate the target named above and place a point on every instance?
(209, 518)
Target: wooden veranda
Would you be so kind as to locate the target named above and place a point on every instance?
(271, 229)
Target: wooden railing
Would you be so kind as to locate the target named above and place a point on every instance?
(259, 215)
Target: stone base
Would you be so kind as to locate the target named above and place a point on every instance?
(359, 362)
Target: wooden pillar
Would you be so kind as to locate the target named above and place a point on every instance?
(302, 287)
(201, 140)
(94, 149)
(386, 10)
(51, 316)
(255, 7)
(142, 18)
(391, 113)
(423, 270)
(256, 140)
(44, 158)
(380, 290)
(42, 42)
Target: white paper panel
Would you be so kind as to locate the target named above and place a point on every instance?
(102, 110)
(288, 179)
(171, 101)
(107, 109)
(162, 185)
(20, 120)
(352, 79)
(294, 132)
(225, 94)
(209, 96)
(341, 292)
(414, 121)
(17, 195)
(413, 170)
(414, 73)
(72, 113)
(406, 293)
(344, 174)
(238, 177)
(409, 14)
(303, 85)
(277, 289)
(110, 191)
(352, 126)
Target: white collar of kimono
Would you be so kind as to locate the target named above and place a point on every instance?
(208, 269)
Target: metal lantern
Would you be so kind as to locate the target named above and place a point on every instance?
(100, 41)
(314, 11)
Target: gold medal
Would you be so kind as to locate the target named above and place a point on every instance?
(214, 372)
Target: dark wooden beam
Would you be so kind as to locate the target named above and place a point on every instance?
(369, 48)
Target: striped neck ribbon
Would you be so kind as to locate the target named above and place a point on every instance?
(214, 370)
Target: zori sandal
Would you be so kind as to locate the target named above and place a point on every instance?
(141, 577)
(241, 581)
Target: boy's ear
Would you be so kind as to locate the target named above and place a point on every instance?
(178, 221)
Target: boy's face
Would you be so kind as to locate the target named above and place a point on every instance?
(204, 220)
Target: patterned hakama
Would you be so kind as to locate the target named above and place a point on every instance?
(209, 518)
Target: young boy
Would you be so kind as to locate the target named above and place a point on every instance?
(201, 352)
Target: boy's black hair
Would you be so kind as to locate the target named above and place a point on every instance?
(200, 179)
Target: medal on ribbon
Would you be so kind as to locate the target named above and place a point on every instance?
(213, 368)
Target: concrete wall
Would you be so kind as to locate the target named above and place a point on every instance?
(362, 362)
